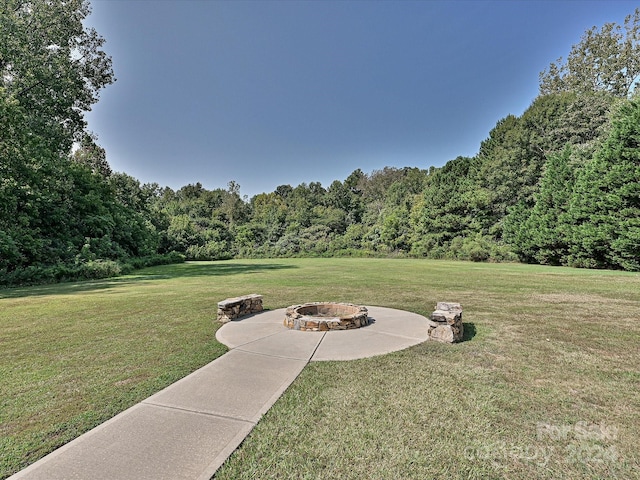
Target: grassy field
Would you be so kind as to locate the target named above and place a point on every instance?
(545, 385)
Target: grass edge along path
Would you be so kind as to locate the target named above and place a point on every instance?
(548, 372)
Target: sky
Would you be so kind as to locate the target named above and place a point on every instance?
(266, 93)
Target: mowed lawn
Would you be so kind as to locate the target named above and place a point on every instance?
(545, 385)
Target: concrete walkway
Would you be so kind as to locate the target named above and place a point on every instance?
(187, 430)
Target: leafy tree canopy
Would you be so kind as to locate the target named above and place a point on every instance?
(605, 60)
(52, 65)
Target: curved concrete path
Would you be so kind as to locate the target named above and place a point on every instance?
(187, 430)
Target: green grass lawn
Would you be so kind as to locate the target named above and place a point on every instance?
(546, 384)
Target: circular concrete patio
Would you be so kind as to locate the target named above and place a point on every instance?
(390, 330)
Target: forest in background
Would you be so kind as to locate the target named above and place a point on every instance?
(558, 185)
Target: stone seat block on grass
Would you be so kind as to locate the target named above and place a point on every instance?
(233, 308)
(445, 323)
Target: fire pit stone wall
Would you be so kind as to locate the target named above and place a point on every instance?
(325, 316)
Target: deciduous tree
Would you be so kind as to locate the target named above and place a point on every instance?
(607, 60)
(52, 65)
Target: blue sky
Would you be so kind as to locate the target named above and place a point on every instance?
(267, 93)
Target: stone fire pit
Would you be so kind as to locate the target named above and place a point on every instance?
(324, 316)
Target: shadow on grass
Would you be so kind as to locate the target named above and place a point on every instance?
(205, 269)
(469, 331)
(162, 272)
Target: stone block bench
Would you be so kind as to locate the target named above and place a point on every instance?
(237, 307)
(445, 323)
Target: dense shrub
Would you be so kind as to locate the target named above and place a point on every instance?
(81, 270)
(212, 250)
(157, 259)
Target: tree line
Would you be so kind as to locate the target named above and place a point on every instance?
(558, 185)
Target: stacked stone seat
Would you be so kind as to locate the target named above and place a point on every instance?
(233, 308)
(445, 323)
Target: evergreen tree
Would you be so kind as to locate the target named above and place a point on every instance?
(541, 237)
(604, 210)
